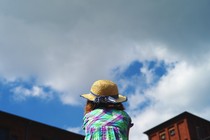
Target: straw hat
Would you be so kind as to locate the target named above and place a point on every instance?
(104, 88)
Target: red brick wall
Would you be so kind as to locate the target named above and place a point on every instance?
(176, 131)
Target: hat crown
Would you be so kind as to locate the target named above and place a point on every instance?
(104, 88)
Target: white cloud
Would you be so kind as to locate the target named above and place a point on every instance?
(145, 120)
(21, 93)
(77, 130)
(69, 44)
(135, 100)
(185, 88)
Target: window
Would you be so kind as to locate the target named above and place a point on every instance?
(172, 132)
(162, 136)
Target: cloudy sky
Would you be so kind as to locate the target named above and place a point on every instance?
(51, 51)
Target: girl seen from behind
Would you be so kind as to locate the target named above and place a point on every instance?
(105, 117)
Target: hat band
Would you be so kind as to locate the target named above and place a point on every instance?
(113, 96)
(105, 99)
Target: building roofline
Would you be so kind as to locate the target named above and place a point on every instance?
(29, 121)
(185, 114)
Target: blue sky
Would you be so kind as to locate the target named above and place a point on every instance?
(52, 51)
(19, 97)
(36, 108)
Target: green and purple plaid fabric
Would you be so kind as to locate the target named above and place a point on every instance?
(102, 124)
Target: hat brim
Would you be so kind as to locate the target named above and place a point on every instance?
(91, 97)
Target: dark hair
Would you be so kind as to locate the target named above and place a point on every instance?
(90, 105)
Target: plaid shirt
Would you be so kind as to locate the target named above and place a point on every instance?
(102, 124)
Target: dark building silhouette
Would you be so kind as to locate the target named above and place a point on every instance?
(13, 127)
(185, 126)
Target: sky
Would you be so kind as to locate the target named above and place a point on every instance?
(52, 51)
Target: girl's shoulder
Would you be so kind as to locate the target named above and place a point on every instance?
(111, 112)
(100, 111)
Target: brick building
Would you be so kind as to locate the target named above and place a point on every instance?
(13, 127)
(185, 126)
